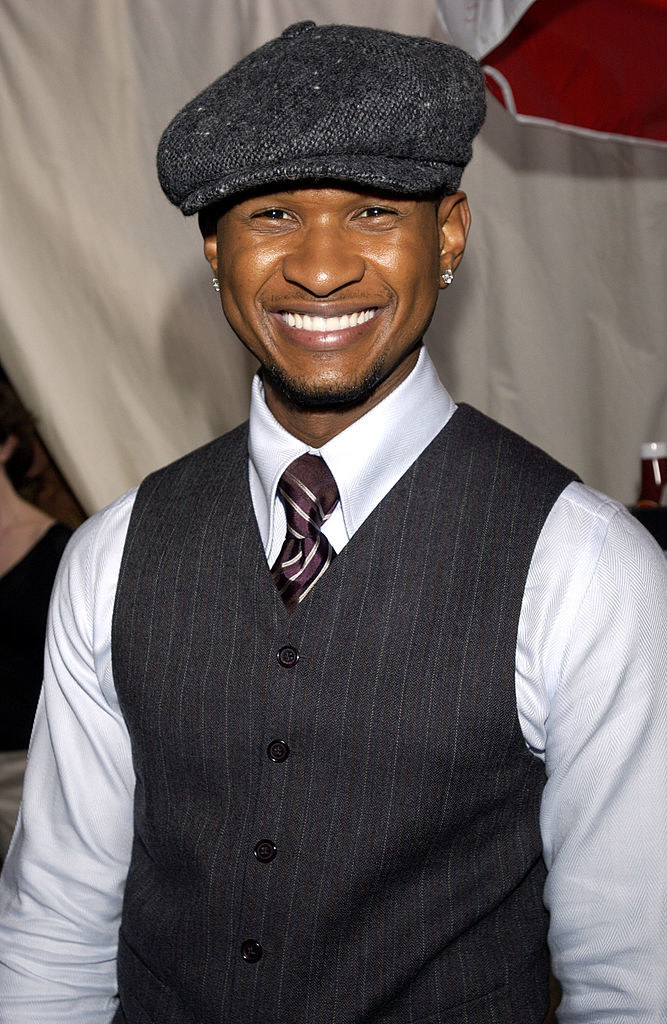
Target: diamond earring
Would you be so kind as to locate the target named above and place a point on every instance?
(216, 284)
(447, 276)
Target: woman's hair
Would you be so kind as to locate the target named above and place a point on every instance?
(15, 419)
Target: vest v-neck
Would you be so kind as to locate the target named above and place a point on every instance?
(357, 546)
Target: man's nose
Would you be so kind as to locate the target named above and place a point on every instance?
(323, 261)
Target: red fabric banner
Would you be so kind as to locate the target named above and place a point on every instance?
(598, 65)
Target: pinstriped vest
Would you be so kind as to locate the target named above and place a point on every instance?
(407, 882)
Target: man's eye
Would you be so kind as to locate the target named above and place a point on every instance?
(377, 211)
(271, 214)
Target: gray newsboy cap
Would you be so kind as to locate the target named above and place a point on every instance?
(334, 102)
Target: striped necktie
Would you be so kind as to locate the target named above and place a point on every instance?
(310, 495)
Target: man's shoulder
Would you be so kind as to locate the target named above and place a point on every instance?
(103, 534)
(496, 460)
(171, 500)
(492, 437)
(587, 523)
(215, 456)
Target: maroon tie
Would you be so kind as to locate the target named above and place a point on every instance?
(310, 495)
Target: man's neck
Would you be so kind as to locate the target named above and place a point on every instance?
(316, 426)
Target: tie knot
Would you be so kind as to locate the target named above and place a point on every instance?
(309, 492)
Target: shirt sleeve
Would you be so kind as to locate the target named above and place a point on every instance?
(62, 884)
(602, 661)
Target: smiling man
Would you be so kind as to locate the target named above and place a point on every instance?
(332, 290)
(352, 714)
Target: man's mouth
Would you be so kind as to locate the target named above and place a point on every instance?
(328, 324)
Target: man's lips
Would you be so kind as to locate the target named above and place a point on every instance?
(326, 333)
(328, 324)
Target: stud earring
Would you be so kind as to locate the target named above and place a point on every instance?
(447, 276)
(216, 284)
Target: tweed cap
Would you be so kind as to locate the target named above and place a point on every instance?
(329, 102)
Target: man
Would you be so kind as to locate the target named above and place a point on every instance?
(302, 686)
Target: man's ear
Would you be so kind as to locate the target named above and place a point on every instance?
(453, 227)
(211, 250)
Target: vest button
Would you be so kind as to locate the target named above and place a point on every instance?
(288, 656)
(265, 851)
(251, 951)
(277, 751)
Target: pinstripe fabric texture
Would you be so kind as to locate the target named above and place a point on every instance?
(310, 495)
(406, 886)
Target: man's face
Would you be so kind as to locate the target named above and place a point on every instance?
(330, 288)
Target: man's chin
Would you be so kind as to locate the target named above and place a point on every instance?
(304, 394)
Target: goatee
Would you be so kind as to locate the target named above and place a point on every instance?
(303, 395)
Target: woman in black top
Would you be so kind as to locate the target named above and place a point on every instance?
(31, 544)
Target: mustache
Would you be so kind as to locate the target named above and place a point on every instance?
(284, 300)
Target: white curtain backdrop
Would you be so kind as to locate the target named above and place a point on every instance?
(109, 327)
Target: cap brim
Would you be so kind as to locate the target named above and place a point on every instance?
(404, 177)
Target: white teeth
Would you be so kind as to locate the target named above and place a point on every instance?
(327, 324)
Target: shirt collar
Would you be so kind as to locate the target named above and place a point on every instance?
(366, 459)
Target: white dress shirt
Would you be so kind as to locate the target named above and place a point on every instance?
(591, 700)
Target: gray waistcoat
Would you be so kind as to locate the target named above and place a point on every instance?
(402, 802)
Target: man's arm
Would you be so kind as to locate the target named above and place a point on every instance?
(604, 811)
(62, 885)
